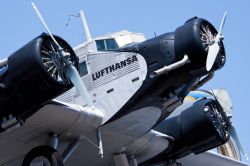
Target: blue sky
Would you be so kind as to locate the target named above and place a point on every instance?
(19, 24)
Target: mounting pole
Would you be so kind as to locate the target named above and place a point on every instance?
(85, 26)
(69, 150)
(133, 161)
(120, 159)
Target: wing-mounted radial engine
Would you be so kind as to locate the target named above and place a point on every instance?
(195, 39)
(33, 75)
(197, 129)
(39, 71)
(200, 124)
(190, 44)
(178, 62)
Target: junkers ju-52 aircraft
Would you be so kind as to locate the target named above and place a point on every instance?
(119, 111)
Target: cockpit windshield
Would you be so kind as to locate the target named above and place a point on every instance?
(106, 44)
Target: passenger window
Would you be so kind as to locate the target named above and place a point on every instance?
(83, 68)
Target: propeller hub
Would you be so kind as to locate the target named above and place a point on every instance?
(55, 60)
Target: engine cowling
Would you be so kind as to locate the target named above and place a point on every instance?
(193, 39)
(199, 128)
(33, 75)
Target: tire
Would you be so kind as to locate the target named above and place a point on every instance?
(50, 154)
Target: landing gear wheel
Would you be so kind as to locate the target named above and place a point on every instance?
(45, 155)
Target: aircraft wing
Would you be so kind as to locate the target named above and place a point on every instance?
(67, 120)
(70, 122)
(209, 158)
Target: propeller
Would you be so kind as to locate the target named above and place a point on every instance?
(233, 134)
(70, 70)
(214, 48)
(223, 98)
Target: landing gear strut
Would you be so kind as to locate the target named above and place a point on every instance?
(47, 155)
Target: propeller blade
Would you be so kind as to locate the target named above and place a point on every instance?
(213, 51)
(222, 22)
(44, 23)
(71, 71)
(234, 135)
(74, 77)
(224, 99)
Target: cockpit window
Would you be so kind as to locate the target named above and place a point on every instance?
(100, 45)
(111, 44)
(107, 44)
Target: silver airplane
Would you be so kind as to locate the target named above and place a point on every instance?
(111, 100)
